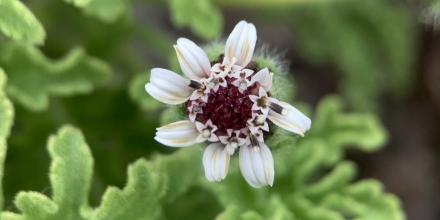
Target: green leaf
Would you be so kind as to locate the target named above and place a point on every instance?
(372, 44)
(138, 200)
(6, 118)
(201, 16)
(18, 23)
(365, 200)
(70, 175)
(233, 212)
(31, 84)
(339, 130)
(70, 172)
(79, 3)
(106, 10)
(35, 205)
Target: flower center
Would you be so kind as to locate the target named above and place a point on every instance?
(227, 108)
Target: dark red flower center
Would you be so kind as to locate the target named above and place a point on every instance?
(227, 107)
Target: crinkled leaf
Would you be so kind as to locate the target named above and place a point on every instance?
(365, 200)
(339, 130)
(70, 172)
(6, 118)
(18, 23)
(31, 84)
(138, 200)
(149, 185)
(70, 175)
(201, 16)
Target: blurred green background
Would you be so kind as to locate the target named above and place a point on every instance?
(381, 56)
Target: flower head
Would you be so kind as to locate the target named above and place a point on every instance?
(229, 106)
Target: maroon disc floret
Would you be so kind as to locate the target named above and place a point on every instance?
(227, 108)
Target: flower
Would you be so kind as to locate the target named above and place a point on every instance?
(229, 106)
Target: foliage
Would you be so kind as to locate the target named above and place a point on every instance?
(6, 117)
(18, 23)
(373, 50)
(107, 11)
(201, 16)
(95, 44)
(31, 84)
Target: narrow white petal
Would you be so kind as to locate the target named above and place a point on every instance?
(246, 166)
(291, 119)
(168, 87)
(216, 162)
(241, 43)
(264, 78)
(177, 134)
(268, 164)
(192, 59)
(257, 166)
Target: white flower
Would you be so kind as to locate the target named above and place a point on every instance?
(228, 105)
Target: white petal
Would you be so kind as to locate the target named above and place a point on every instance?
(177, 134)
(241, 43)
(192, 59)
(264, 78)
(168, 87)
(216, 162)
(291, 119)
(256, 165)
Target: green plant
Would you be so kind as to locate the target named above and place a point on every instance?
(314, 180)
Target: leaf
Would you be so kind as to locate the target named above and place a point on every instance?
(70, 172)
(381, 30)
(138, 200)
(340, 130)
(365, 200)
(6, 118)
(79, 3)
(201, 16)
(31, 84)
(150, 184)
(70, 175)
(106, 10)
(18, 23)
(233, 212)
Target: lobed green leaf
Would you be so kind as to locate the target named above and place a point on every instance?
(18, 23)
(6, 119)
(201, 16)
(32, 84)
